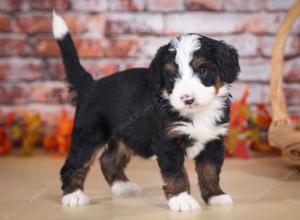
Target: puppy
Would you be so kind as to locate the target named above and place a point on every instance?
(176, 108)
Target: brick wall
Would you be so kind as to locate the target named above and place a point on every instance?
(112, 35)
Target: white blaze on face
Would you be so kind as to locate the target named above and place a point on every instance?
(188, 84)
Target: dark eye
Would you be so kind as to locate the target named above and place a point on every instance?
(202, 71)
(173, 77)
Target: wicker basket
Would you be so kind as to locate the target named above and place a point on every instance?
(282, 132)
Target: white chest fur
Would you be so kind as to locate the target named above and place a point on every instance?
(203, 127)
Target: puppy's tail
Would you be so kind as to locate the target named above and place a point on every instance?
(78, 77)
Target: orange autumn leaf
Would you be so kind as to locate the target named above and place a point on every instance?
(6, 126)
(63, 144)
(9, 119)
(247, 128)
(66, 124)
(241, 150)
(239, 111)
(60, 138)
(239, 103)
(5, 146)
(50, 143)
(32, 134)
(263, 118)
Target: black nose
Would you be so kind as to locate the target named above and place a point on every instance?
(187, 100)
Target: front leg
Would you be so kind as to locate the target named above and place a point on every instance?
(208, 168)
(177, 186)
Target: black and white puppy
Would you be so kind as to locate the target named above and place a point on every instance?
(176, 108)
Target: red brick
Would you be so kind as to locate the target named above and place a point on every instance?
(107, 68)
(150, 45)
(14, 94)
(89, 47)
(203, 23)
(97, 68)
(86, 47)
(292, 70)
(259, 93)
(101, 68)
(246, 44)
(55, 69)
(15, 69)
(274, 5)
(59, 5)
(213, 5)
(292, 94)
(296, 27)
(141, 23)
(79, 23)
(33, 23)
(217, 23)
(166, 5)
(45, 46)
(76, 23)
(292, 46)
(262, 23)
(126, 5)
(89, 5)
(122, 48)
(96, 23)
(294, 110)
(255, 70)
(14, 5)
(49, 93)
(5, 24)
(238, 5)
(13, 46)
(135, 63)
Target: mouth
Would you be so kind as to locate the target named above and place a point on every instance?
(191, 106)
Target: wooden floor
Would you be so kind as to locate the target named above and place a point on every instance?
(261, 189)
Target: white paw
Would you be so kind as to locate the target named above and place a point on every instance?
(125, 188)
(183, 203)
(77, 198)
(223, 199)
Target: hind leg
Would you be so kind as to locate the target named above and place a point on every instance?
(87, 140)
(113, 162)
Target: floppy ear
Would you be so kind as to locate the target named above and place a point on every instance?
(228, 62)
(156, 68)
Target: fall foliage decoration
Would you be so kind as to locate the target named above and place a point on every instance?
(26, 132)
(6, 123)
(248, 128)
(60, 138)
(247, 133)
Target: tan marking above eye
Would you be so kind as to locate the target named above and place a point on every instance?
(197, 62)
(170, 68)
(218, 84)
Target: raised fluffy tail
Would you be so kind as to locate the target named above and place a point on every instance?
(78, 77)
